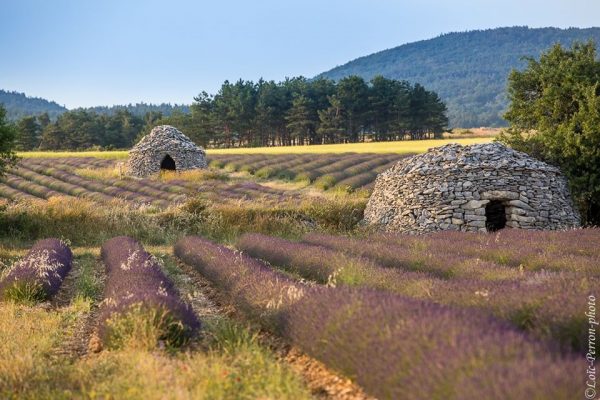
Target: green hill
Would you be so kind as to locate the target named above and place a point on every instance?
(19, 105)
(468, 70)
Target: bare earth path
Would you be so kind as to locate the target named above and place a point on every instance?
(322, 382)
(81, 329)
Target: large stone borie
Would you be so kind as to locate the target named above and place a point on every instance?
(470, 188)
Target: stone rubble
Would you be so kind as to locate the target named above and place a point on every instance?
(145, 158)
(448, 188)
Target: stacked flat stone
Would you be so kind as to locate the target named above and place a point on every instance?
(448, 188)
(145, 158)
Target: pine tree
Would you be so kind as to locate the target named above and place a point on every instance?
(7, 139)
(300, 125)
(28, 134)
(331, 127)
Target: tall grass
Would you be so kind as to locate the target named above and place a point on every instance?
(231, 365)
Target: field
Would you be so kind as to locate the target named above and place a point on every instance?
(255, 279)
(402, 147)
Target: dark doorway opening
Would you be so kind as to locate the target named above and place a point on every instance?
(495, 214)
(168, 163)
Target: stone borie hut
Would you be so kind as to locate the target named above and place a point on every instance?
(470, 188)
(165, 147)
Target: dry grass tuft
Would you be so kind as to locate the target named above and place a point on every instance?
(195, 175)
(101, 174)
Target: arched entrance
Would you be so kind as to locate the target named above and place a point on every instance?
(168, 163)
(495, 214)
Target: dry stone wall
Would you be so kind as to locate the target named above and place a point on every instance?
(451, 188)
(146, 157)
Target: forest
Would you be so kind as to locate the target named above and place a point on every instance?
(296, 111)
(18, 105)
(468, 70)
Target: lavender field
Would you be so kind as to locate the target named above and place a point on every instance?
(393, 345)
(42, 178)
(255, 279)
(101, 181)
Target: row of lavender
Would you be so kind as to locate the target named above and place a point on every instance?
(548, 304)
(344, 171)
(38, 275)
(393, 346)
(140, 301)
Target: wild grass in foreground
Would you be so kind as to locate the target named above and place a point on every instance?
(230, 363)
(85, 222)
(393, 346)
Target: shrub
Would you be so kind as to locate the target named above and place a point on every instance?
(39, 274)
(253, 286)
(141, 305)
(216, 163)
(232, 166)
(265, 172)
(325, 182)
(306, 176)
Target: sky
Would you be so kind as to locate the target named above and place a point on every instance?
(83, 53)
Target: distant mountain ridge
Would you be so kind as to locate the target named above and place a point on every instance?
(19, 105)
(140, 109)
(468, 70)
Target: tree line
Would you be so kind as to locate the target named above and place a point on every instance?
(296, 111)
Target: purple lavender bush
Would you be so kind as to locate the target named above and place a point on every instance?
(546, 304)
(137, 286)
(332, 267)
(254, 287)
(39, 274)
(393, 346)
(399, 348)
(414, 254)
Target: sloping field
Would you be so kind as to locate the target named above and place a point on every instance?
(345, 171)
(99, 180)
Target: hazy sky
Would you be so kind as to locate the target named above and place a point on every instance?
(84, 52)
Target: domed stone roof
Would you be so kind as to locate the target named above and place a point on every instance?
(165, 147)
(454, 156)
(164, 138)
(481, 187)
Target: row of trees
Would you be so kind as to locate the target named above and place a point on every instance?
(293, 112)
(82, 129)
(298, 111)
